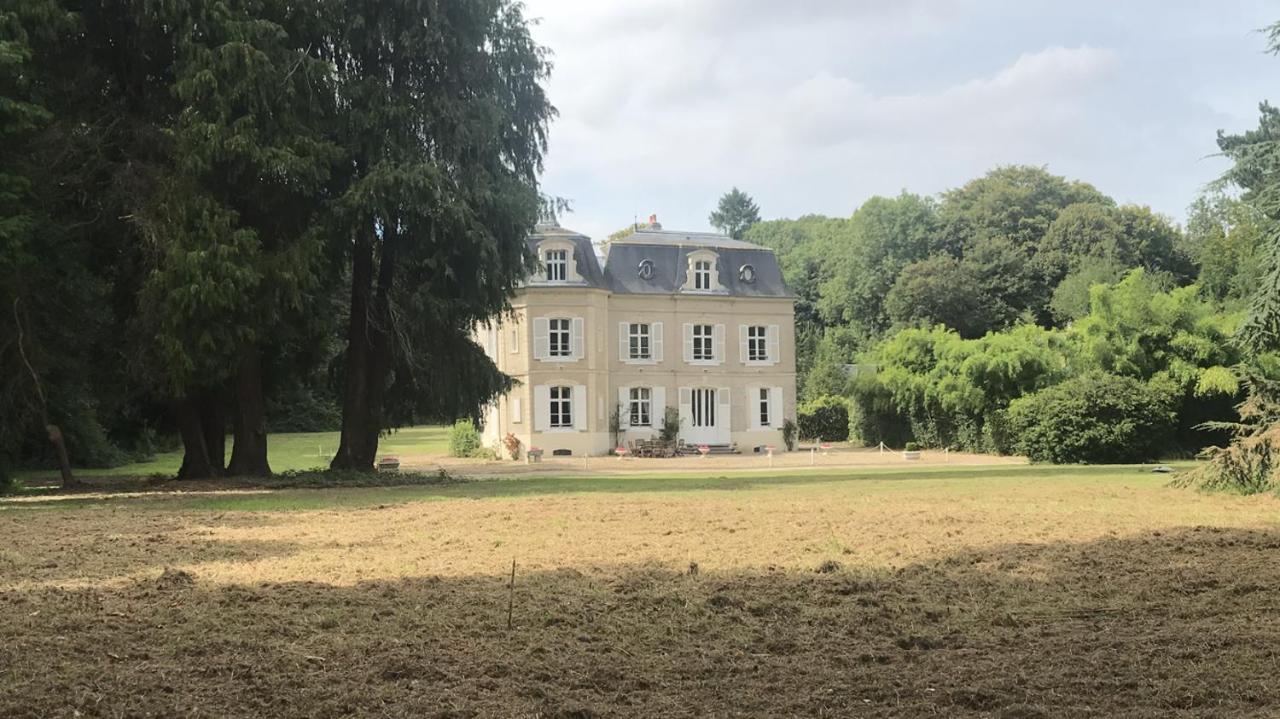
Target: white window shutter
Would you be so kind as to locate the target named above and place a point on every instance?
(775, 407)
(688, 342)
(516, 410)
(773, 345)
(577, 341)
(655, 341)
(624, 407)
(743, 352)
(580, 407)
(753, 407)
(723, 418)
(624, 342)
(541, 408)
(541, 343)
(717, 333)
(686, 407)
(658, 409)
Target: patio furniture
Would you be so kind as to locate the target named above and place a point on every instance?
(389, 463)
(534, 455)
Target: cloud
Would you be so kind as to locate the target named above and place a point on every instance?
(813, 106)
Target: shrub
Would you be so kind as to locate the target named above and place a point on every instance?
(789, 434)
(1095, 417)
(912, 447)
(483, 453)
(825, 418)
(512, 443)
(670, 425)
(464, 440)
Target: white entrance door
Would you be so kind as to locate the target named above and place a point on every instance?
(705, 416)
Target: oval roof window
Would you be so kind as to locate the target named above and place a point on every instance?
(747, 273)
(645, 270)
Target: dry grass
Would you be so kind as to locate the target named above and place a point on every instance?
(1037, 593)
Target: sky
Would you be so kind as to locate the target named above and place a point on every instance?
(814, 106)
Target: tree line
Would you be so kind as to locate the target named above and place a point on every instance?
(980, 318)
(206, 206)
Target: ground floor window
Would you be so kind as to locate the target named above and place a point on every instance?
(641, 407)
(764, 406)
(561, 407)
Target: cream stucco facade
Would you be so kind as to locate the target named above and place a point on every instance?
(641, 334)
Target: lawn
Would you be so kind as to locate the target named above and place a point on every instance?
(995, 592)
(286, 452)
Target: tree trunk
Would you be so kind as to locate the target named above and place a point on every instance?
(54, 432)
(249, 422)
(213, 423)
(195, 454)
(368, 356)
(64, 462)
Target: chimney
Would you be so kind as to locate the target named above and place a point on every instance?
(653, 222)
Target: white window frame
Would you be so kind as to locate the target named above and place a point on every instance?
(717, 344)
(763, 406)
(556, 263)
(754, 339)
(758, 344)
(702, 269)
(560, 398)
(639, 336)
(562, 328)
(640, 407)
(706, 333)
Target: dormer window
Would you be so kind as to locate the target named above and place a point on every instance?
(702, 275)
(557, 264)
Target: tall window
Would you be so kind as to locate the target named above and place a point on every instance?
(703, 344)
(757, 344)
(638, 341)
(702, 275)
(558, 338)
(641, 407)
(561, 407)
(704, 407)
(764, 406)
(557, 263)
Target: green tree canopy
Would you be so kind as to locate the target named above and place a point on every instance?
(941, 290)
(882, 237)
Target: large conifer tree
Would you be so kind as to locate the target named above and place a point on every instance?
(443, 119)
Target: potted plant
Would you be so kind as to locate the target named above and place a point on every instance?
(911, 451)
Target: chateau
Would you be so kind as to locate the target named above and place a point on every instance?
(696, 321)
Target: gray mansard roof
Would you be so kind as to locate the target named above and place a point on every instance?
(584, 254)
(669, 252)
